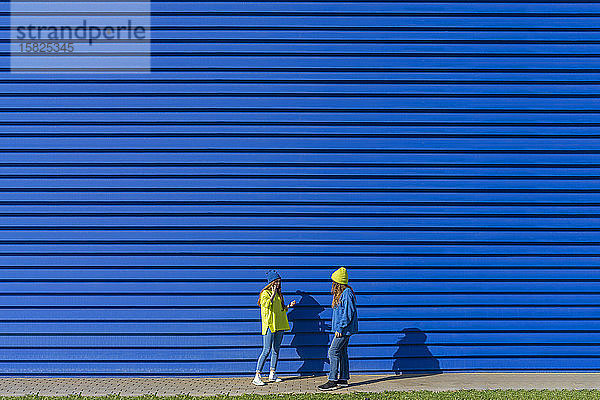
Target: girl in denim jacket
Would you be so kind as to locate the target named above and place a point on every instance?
(344, 322)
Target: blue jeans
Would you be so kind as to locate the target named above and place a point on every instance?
(270, 341)
(338, 358)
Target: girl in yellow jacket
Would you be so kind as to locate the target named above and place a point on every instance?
(274, 324)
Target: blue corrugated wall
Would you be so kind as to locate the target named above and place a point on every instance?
(447, 153)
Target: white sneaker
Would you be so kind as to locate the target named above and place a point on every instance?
(273, 377)
(257, 381)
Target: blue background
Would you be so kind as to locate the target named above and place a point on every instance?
(446, 153)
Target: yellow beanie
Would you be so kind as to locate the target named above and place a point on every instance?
(340, 276)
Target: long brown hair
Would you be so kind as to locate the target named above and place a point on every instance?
(269, 287)
(336, 290)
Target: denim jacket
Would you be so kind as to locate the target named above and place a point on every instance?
(345, 318)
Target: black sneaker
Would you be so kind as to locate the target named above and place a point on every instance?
(329, 385)
(342, 383)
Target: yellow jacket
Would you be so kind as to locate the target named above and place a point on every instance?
(273, 317)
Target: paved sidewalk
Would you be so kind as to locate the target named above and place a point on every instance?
(235, 386)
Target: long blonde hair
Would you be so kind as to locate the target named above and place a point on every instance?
(336, 290)
(269, 287)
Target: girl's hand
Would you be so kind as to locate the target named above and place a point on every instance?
(338, 335)
(292, 304)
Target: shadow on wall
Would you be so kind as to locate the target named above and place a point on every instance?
(413, 357)
(311, 342)
(311, 339)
